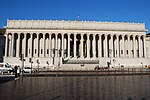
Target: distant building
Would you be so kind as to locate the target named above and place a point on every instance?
(2, 44)
(76, 44)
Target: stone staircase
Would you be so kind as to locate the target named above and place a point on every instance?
(79, 61)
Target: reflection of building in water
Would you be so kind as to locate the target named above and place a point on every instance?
(70, 44)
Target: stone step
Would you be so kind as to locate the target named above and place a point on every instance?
(82, 62)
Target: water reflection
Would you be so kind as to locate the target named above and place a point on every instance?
(77, 88)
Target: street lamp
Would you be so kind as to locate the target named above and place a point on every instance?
(114, 62)
(21, 56)
(30, 60)
(109, 63)
(54, 52)
(142, 65)
(119, 66)
(47, 65)
(38, 63)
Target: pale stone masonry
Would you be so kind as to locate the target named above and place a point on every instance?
(76, 44)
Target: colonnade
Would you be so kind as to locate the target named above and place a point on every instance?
(75, 45)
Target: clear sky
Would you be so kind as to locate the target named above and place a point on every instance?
(93, 10)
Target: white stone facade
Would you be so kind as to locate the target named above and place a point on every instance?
(76, 44)
(148, 45)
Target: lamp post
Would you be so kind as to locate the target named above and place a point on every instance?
(142, 65)
(47, 65)
(119, 67)
(53, 55)
(30, 60)
(110, 51)
(53, 52)
(114, 62)
(21, 56)
(38, 63)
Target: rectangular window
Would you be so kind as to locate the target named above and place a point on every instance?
(121, 51)
(35, 51)
(116, 51)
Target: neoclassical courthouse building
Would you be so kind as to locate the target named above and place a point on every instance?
(76, 44)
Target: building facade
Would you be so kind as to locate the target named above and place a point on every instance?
(2, 44)
(75, 44)
(148, 45)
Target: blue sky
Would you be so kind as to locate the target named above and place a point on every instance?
(93, 10)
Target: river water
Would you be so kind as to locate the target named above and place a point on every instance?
(77, 88)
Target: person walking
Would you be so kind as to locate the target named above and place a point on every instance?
(16, 68)
(18, 71)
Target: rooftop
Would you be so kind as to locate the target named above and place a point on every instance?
(83, 25)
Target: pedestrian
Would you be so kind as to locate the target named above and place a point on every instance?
(16, 71)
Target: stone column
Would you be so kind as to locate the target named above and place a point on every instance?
(25, 38)
(139, 43)
(81, 41)
(6, 45)
(100, 47)
(88, 45)
(44, 45)
(134, 53)
(37, 45)
(68, 45)
(112, 52)
(50, 41)
(94, 46)
(105, 45)
(56, 46)
(129, 50)
(75, 48)
(62, 46)
(123, 46)
(31, 44)
(117, 44)
(12, 45)
(144, 46)
(18, 46)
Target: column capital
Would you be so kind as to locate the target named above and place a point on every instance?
(122, 35)
(68, 34)
(94, 34)
(100, 34)
(117, 35)
(111, 35)
(88, 34)
(128, 36)
(74, 33)
(105, 34)
(144, 36)
(49, 33)
(139, 36)
(82, 35)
